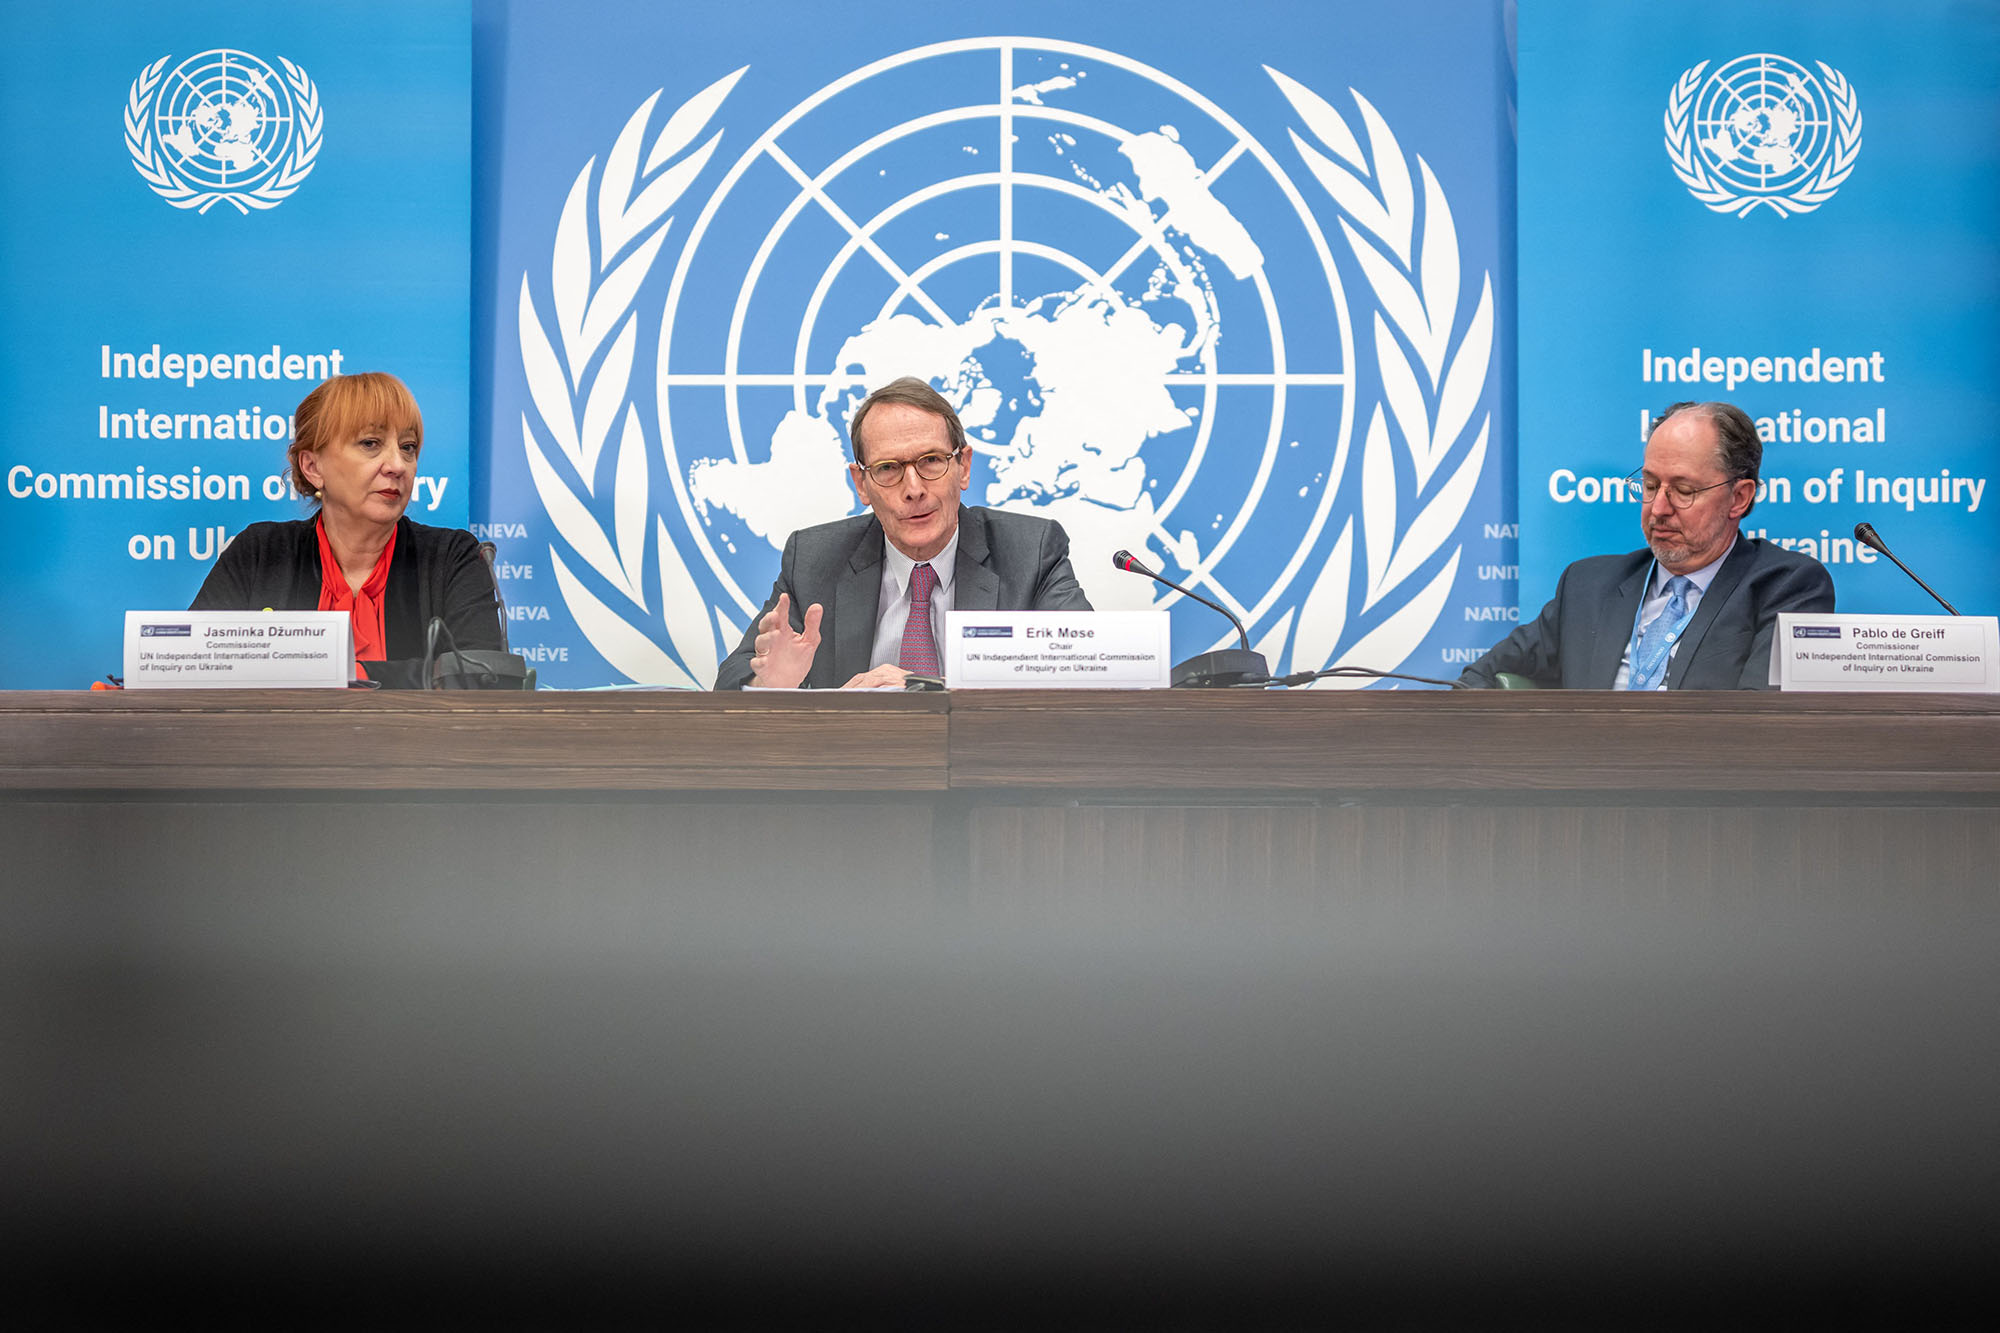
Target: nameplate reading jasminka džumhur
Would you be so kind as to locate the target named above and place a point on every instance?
(242, 650)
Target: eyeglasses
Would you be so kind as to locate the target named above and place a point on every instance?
(889, 472)
(1680, 497)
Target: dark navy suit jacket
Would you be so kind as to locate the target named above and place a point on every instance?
(1006, 562)
(1579, 638)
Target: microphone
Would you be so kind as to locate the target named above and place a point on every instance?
(1222, 668)
(490, 553)
(470, 668)
(1865, 534)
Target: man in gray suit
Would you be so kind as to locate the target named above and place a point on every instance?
(878, 584)
(1696, 609)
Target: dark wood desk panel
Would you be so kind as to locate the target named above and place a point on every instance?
(533, 805)
(1078, 743)
(353, 981)
(1475, 741)
(1201, 853)
(1015, 798)
(354, 741)
(1699, 800)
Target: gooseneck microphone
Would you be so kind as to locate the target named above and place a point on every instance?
(1865, 534)
(491, 553)
(1222, 668)
(470, 668)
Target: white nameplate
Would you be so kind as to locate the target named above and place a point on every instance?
(1934, 654)
(239, 650)
(1012, 650)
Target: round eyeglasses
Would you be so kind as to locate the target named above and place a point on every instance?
(889, 472)
(1645, 490)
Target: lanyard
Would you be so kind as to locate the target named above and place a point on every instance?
(1646, 671)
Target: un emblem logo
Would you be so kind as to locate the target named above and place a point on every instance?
(223, 127)
(1763, 131)
(1130, 300)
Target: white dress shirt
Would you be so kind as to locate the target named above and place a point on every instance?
(1655, 603)
(892, 611)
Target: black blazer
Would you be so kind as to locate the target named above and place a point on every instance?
(434, 572)
(1579, 638)
(1012, 562)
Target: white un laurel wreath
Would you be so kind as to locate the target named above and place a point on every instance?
(155, 166)
(1406, 247)
(1689, 156)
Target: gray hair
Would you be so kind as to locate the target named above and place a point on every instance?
(910, 392)
(1737, 448)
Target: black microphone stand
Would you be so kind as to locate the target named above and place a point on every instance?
(1225, 667)
(1865, 534)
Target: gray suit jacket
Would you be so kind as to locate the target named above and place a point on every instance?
(1010, 562)
(1580, 637)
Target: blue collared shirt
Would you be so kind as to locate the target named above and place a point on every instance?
(1655, 602)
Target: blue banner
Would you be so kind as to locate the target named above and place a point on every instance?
(1235, 296)
(211, 207)
(1790, 207)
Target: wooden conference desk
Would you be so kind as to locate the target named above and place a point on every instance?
(1182, 795)
(1431, 1001)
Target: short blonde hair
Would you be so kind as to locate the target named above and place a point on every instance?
(346, 405)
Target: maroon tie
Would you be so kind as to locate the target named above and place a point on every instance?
(920, 654)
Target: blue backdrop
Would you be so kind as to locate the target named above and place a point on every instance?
(1240, 296)
(1788, 206)
(1234, 296)
(183, 203)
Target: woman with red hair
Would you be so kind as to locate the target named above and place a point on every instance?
(356, 440)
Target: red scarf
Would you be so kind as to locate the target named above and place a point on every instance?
(364, 608)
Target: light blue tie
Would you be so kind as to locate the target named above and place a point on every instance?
(1649, 659)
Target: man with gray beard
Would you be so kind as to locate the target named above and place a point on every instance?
(1695, 610)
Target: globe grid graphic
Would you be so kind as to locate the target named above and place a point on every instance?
(1004, 192)
(1764, 123)
(227, 118)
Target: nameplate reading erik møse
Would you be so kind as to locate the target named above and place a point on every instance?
(1012, 650)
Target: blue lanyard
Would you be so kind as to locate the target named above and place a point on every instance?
(1645, 675)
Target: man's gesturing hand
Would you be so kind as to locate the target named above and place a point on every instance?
(781, 658)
